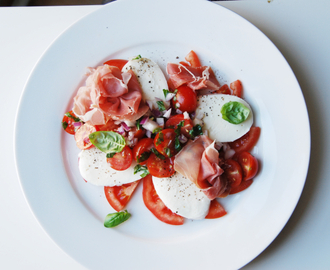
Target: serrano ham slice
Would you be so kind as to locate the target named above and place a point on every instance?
(196, 78)
(199, 162)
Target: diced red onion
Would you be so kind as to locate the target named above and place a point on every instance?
(225, 146)
(156, 113)
(178, 111)
(77, 124)
(150, 125)
(160, 121)
(148, 133)
(125, 126)
(186, 116)
(218, 145)
(193, 115)
(229, 153)
(130, 123)
(144, 120)
(121, 130)
(169, 96)
(182, 139)
(167, 114)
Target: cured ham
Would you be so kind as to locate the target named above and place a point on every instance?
(199, 162)
(196, 78)
(109, 93)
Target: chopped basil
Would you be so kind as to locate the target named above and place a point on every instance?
(140, 168)
(178, 127)
(159, 155)
(165, 91)
(107, 141)
(137, 58)
(234, 112)
(76, 119)
(143, 157)
(114, 219)
(156, 130)
(160, 138)
(138, 123)
(177, 144)
(168, 152)
(161, 105)
(64, 125)
(196, 131)
(110, 155)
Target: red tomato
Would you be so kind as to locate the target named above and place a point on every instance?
(236, 86)
(185, 99)
(193, 59)
(224, 90)
(156, 205)
(67, 123)
(119, 196)
(81, 136)
(122, 160)
(244, 185)
(120, 63)
(139, 133)
(109, 126)
(247, 141)
(233, 172)
(165, 142)
(249, 165)
(173, 121)
(160, 167)
(216, 210)
(142, 150)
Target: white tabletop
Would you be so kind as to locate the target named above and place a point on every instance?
(299, 28)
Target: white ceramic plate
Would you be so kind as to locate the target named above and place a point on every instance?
(72, 211)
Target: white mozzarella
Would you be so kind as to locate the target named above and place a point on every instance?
(150, 76)
(218, 128)
(95, 169)
(182, 196)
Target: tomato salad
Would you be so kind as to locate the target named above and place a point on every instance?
(185, 136)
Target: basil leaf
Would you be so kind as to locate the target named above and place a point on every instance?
(160, 138)
(76, 119)
(114, 219)
(178, 128)
(64, 125)
(161, 105)
(196, 131)
(234, 112)
(168, 152)
(159, 155)
(143, 169)
(156, 130)
(143, 157)
(110, 155)
(137, 58)
(177, 144)
(108, 141)
(165, 91)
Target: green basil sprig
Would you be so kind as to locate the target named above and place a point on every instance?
(114, 219)
(234, 112)
(108, 141)
(143, 169)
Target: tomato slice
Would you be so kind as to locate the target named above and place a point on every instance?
(165, 142)
(224, 90)
(249, 165)
(119, 196)
(247, 141)
(81, 136)
(119, 63)
(142, 150)
(244, 185)
(185, 99)
(216, 210)
(193, 59)
(156, 205)
(237, 88)
(68, 122)
(233, 172)
(175, 120)
(159, 167)
(122, 160)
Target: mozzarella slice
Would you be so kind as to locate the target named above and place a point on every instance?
(150, 76)
(95, 169)
(182, 196)
(218, 128)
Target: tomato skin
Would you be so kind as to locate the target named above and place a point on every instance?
(216, 210)
(234, 172)
(119, 196)
(249, 165)
(165, 142)
(156, 205)
(237, 88)
(244, 185)
(68, 122)
(160, 167)
(122, 160)
(143, 146)
(185, 99)
(247, 141)
(174, 120)
(119, 63)
(193, 59)
(139, 134)
(224, 90)
(81, 136)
